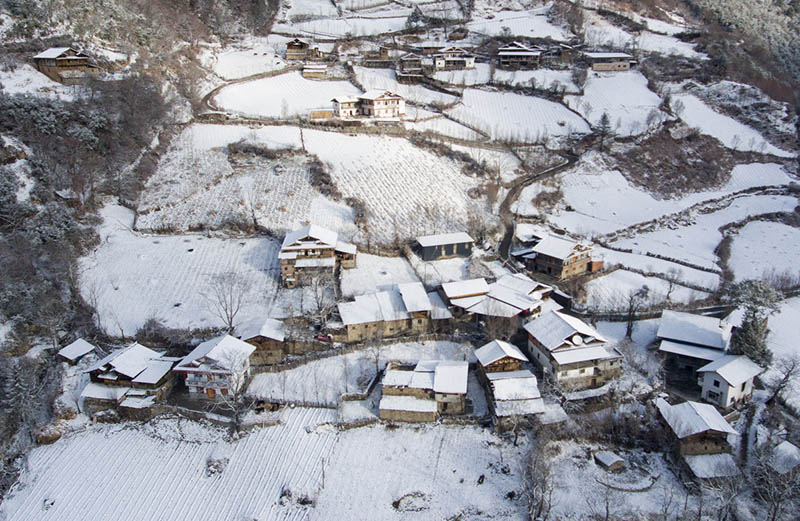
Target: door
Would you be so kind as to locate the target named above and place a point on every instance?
(211, 393)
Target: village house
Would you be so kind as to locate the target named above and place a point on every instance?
(728, 380)
(298, 50)
(409, 69)
(377, 58)
(315, 71)
(559, 257)
(609, 61)
(689, 342)
(453, 58)
(572, 352)
(700, 438)
(65, 64)
(428, 47)
(445, 246)
(408, 309)
(421, 394)
(217, 366)
(313, 250)
(75, 351)
(269, 339)
(138, 375)
(511, 297)
(499, 356)
(518, 56)
(374, 103)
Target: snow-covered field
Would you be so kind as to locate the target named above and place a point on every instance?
(505, 115)
(157, 471)
(445, 127)
(664, 44)
(315, 8)
(481, 74)
(649, 264)
(27, 80)
(758, 241)
(281, 96)
(611, 291)
(727, 130)
(624, 96)
(782, 341)
(533, 23)
(248, 57)
(324, 381)
(542, 78)
(373, 273)
(131, 278)
(341, 27)
(384, 79)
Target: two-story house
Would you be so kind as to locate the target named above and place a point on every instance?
(311, 250)
(218, 366)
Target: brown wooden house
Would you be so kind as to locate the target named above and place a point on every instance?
(560, 258)
(499, 356)
(65, 64)
(312, 250)
(270, 341)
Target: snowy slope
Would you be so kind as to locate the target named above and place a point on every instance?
(758, 241)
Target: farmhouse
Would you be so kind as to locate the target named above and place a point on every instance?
(315, 71)
(65, 64)
(560, 258)
(700, 437)
(269, 340)
(75, 351)
(445, 246)
(689, 342)
(432, 388)
(498, 356)
(453, 58)
(313, 250)
(572, 352)
(514, 396)
(298, 49)
(609, 61)
(220, 365)
(728, 380)
(374, 103)
(518, 56)
(377, 58)
(429, 47)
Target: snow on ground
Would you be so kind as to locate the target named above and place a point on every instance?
(132, 277)
(373, 273)
(695, 243)
(727, 130)
(406, 190)
(24, 79)
(533, 23)
(611, 291)
(248, 57)
(311, 8)
(651, 42)
(323, 381)
(599, 33)
(603, 201)
(384, 79)
(446, 127)
(432, 472)
(342, 27)
(507, 115)
(652, 265)
(758, 241)
(542, 78)
(281, 96)
(435, 273)
(502, 160)
(782, 341)
(482, 73)
(157, 472)
(624, 96)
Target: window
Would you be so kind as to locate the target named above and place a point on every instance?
(716, 383)
(563, 373)
(582, 371)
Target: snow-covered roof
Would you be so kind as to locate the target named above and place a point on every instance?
(129, 361)
(345, 99)
(607, 458)
(270, 328)
(785, 457)
(609, 55)
(694, 329)
(497, 349)
(315, 67)
(555, 247)
(76, 350)
(444, 238)
(133, 402)
(407, 403)
(527, 232)
(515, 46)
(690, 418)
(735, 369)
(706, 466)
(505, 408)
(397, 378)
(439, 309)
(522, 386)
(314, 232)
(374, 94)
(678, 348)
(555, 329)
(154, 372)
(225, 352)
(415, 297)
(104, 392)
(346, 247)
(465, 288)
(450, 377)
(583, 354)
(522, 284)
(373, 307)
(52, 52)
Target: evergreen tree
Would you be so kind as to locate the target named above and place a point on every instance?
(758, 300)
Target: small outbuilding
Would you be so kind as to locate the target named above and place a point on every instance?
(269, 339)
(499, 356)
(609, 460)
(76, 350)
(445, 246)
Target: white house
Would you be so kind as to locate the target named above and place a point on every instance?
(220, 365)
(375, 103)
(728, 380)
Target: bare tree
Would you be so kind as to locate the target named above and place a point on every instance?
(634, 302)
(230, 397)
(321, 285)
(607, 504)
(539, 485)
(226, 294)
(787, 369)
(774, 489)
(726, 490)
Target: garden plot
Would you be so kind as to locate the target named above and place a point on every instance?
(323, 381)
(611, 291)
(435, 273)
(482, 73)
(164, 478)
(505, 115)
(282, 96)
(759, 241)
(631, 107)
(275, 195)
(24, 79)
(195, 160)
(344, 27)
(423, 472)
(696, 277)
(533, 23)
(384, 79)
(540, 78)
(373, 273)
(407, 191)
(248, 57)
(603, 201)
(445, 127)
(695, 243)
(131, 278)
(727, 130)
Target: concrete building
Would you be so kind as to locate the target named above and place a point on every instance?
(728, 380)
